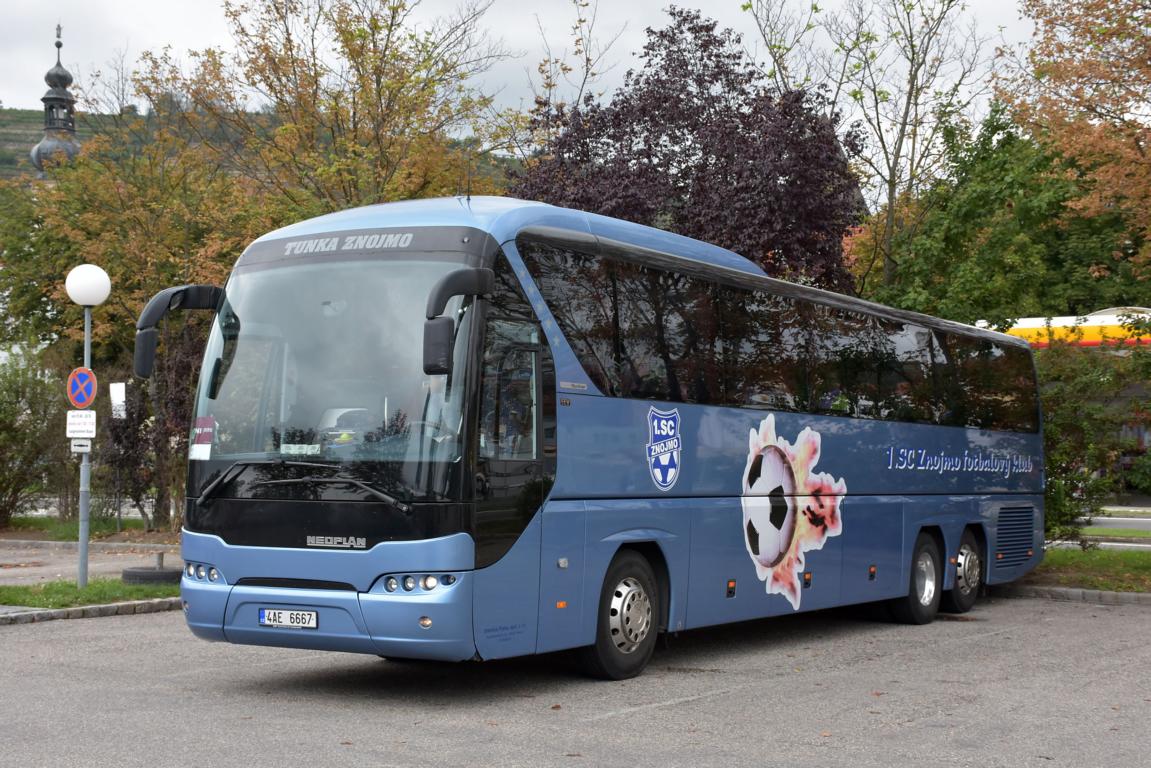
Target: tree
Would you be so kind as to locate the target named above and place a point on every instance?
(694, 142)
(31, 408)
(902, 69)
(1002, 237)
(1085, 86)
(356, 104)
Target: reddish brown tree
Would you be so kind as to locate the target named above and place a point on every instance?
(1085, 86)
(697, 143)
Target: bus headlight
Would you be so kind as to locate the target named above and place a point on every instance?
(409, 583)
(190, 570)
(391, 584)
(429, 582)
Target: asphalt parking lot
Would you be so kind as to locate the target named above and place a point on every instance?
(1015, 683)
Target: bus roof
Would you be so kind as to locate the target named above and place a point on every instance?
(504, 217)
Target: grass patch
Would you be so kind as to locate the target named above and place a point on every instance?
(64, 594)
(55, 529)
(1108, 569)
(1118, 533)
(1113, 512)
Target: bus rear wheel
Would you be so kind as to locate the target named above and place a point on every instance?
(628, 617)
(921, 603)
(968, 576)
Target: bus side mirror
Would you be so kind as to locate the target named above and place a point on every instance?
(144, 356)
(439, 344)
(439, 332)
(180, 297)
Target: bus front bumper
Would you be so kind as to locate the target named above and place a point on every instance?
(420, 624)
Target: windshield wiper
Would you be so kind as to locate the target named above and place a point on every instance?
(341, 480)
(237, 468)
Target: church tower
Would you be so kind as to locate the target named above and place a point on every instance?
(59, 115)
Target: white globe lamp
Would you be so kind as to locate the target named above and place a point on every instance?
(88, 285)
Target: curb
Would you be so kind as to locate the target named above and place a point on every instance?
(35, 615)
(1072, 595)
(93, 546)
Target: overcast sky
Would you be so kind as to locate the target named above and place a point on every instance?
(95, 31)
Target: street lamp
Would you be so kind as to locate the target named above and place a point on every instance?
(88, 286)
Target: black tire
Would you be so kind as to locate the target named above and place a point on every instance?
(151, 575)
(628, 620)
(968, 576)
(921, 602)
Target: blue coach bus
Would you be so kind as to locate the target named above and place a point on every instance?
(480, 428)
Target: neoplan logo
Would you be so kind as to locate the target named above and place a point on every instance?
(338, 542)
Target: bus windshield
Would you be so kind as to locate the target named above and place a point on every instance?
(312, 387)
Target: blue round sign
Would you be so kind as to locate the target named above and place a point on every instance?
(81, 387)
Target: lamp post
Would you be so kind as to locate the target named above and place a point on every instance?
(88, 286)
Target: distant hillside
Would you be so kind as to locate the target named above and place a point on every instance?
(20, 130)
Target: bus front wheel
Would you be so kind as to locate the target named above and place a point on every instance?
(921, 603)
(627, 623)
(968, 576)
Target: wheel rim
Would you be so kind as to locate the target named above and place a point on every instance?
(629, 615)
(968, 570)
(925, 578)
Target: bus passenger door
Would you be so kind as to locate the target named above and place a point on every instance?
(515, 465)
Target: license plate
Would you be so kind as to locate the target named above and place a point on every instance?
(277, 617)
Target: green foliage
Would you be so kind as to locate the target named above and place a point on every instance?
(1002, 238)
(31, 410)
(64, 594)
(1087, 396)
(1138, 476)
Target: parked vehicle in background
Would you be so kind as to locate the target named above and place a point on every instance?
(1115, 331)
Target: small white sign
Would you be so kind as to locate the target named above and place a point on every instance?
(81, 424)
(119, 400)
(82, 446)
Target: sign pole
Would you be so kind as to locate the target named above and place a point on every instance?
(88, 286)
(85, 468)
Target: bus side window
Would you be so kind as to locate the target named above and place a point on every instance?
(509, 411)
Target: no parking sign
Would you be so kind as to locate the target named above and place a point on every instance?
(81, 387)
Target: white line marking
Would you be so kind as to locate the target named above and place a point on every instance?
(667, 703)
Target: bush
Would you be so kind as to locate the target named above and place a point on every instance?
(1088, 395)
(1138, 475)
(31, 418)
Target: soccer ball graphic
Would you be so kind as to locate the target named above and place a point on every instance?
(769, 507)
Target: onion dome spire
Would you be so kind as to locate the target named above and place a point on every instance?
(59, 114)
